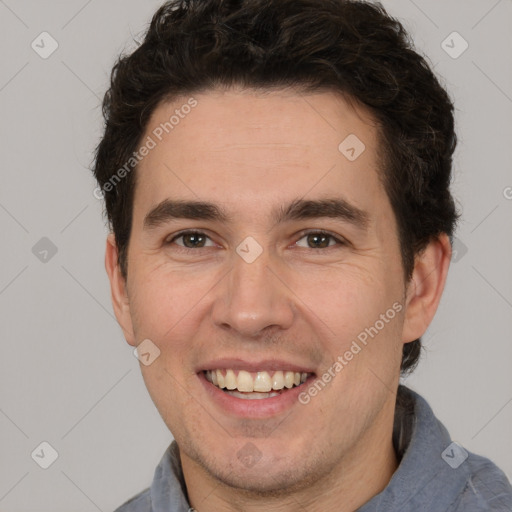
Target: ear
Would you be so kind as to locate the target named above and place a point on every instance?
(118, 291)
(426, 286)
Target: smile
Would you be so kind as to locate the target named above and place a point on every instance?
(255, 385)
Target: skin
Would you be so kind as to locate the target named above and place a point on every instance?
(250, 152)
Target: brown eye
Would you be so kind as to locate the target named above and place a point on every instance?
(191, 240)
(318, 240)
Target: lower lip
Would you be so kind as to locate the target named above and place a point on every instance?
(256, 408)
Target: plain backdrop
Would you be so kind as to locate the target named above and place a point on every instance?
(67, 376)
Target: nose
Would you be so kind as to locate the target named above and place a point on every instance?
(254, 299)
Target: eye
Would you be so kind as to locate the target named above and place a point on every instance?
(191, 240)
(318, 240)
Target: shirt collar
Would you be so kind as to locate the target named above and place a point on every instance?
(422, 475)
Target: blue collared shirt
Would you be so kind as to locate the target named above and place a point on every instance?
(434, 475)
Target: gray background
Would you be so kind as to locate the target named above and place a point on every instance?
(67, 376)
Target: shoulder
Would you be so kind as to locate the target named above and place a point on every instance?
(440, 474)
(487, 488)
(139, 503)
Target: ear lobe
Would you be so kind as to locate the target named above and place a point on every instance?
(119, 296)
(426, 286)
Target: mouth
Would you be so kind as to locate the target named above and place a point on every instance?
(258, 385)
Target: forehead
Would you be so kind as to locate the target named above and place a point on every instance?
(244, 148)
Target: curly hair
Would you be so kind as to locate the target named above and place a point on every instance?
(347, 46)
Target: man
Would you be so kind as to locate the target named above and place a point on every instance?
(276, 176)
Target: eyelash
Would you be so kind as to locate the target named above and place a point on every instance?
(303, 234)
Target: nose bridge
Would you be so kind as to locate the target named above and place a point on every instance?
(252, 297)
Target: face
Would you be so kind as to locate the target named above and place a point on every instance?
(265, 255)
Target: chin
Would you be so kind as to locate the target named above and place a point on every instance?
(262, 466)
(266, 479)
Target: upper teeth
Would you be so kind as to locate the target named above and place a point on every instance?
(259, 381)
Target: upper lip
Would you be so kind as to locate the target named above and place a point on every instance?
(254, 366)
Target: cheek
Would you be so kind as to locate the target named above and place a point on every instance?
(346, 299)
(168, 391)
(164, 302)
(357, 314)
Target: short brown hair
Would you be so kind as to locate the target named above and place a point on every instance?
(348, 46)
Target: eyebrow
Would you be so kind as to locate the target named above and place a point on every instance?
(299, 209)
(335, 208)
